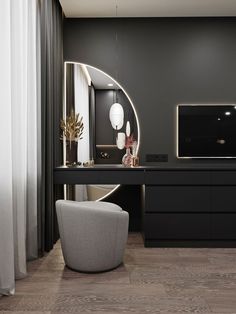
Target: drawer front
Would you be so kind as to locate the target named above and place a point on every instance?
(223, 177)
(76, 177)
(177, 226)
(177, 177)
(121, 177)
(99, 177)
(223, 199)
(177, 199)
(223, 226)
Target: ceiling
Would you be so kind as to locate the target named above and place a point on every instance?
(148, 8)
(100, 79)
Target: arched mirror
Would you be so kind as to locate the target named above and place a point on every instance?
(106, 125)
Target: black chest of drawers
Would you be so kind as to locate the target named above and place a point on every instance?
(190, 208)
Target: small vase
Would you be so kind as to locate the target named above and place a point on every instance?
(135, 161)
(71, 153)
(127, 158)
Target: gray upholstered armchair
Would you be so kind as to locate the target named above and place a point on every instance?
(93, 234)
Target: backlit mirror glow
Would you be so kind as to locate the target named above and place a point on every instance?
(106, 108)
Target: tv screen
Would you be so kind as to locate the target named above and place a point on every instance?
(206, 131)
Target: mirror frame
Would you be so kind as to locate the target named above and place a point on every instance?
(64, 114)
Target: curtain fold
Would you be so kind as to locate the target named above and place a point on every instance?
(19, 163)
(51, 100)
(6, 223)
(33, 129)
(31, 61)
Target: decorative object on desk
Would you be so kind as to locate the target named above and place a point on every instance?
(74, 164)
(129, 141)
(135, 158)
(134, 148)
(72, 128)
(127, 130)
(104, 155)
(116, 115)
(127, 158)
(135, 161)
(89, 163)
(71, 153)
(120, 140)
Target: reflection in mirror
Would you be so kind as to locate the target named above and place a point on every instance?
(110, 124)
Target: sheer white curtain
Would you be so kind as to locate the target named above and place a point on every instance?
(82, 107)
(18, 125)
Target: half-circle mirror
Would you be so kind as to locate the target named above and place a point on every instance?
(108, 116)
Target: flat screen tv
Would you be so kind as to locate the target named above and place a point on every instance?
(206, 131)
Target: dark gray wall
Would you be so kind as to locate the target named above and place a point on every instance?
(161, 62)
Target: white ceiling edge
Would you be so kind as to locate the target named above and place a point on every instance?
(147, 8)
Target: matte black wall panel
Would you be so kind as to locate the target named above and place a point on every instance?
(161, 62)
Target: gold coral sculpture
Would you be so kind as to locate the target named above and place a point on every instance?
(72, 127)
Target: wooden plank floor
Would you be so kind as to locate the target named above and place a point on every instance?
(152, 280)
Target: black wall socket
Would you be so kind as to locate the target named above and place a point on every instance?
(156, 157)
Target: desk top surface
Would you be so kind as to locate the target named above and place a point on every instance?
(113, 167)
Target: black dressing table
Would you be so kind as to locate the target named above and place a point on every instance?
(181, 207)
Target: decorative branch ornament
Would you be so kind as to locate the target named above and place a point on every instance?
(72, 127)
(129, 141)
